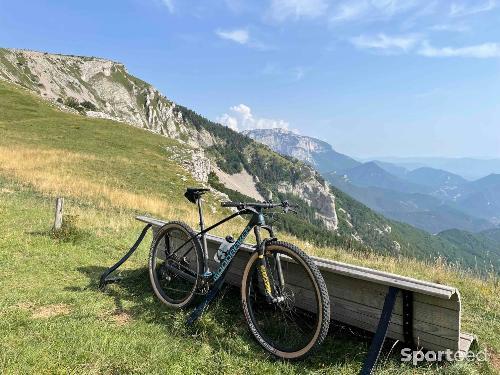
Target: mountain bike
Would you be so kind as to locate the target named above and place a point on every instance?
(284, 296)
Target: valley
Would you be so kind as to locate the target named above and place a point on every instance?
(329, 215)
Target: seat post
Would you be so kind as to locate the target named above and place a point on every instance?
(202, 227)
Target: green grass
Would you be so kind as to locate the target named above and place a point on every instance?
(53, 318)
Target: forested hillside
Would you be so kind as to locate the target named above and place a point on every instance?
(326, 216)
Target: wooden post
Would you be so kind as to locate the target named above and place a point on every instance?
(58, 219)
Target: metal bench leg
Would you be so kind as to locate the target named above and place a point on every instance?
(104, 277)
(379, 338)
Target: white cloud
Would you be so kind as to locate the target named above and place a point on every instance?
(411, 43)
(241, 118)
(479, 51)
(295, 73)
(450, 28)
(281, 10)
(350, 11)
(298, 73)
(240, 36)
(461, 9)
(229, 121)
(366, 10)
(169, 4)
(385, 42)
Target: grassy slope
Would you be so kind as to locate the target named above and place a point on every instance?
(53, 318)
(272, 168)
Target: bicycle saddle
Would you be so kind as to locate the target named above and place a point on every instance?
(193, 194)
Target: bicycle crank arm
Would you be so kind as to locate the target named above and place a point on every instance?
(180, 273)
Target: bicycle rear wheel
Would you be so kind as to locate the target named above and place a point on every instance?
(176, 263)
(297, 321)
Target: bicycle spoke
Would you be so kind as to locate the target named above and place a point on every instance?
(176, 277)
(282, 323)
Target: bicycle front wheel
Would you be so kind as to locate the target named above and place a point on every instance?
(295, 321)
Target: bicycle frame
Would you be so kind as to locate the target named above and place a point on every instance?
(256, 222)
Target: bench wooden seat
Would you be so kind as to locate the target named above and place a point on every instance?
(357, 296)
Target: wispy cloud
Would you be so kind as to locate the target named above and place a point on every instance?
(450, 28)
(240, 36)
(479, 51)
(349, 11)
(366, 10)
(462, 9)
(298, 72)
(381, 41)
(281, 10)
(295, 73)
(241, 118)
(169, 4)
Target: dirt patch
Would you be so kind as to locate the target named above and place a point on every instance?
(50, 311)
(494, 359)
(24, 306)
(120, 318)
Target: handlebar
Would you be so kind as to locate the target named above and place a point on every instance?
(265, 205)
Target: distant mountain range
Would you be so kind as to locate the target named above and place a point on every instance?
(428, 198)
(216, 155)
(469, 168)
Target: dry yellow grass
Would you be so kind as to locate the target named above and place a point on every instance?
(52, 172)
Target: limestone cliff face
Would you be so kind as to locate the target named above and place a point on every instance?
(317, 195)
(102, 88)
(289, 143)
(99, 88)
(313, 151)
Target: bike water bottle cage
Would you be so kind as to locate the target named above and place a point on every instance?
(193, 194)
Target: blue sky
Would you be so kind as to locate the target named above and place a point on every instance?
(373, 78)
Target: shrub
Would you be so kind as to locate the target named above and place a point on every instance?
(72, 103)
(88, 105)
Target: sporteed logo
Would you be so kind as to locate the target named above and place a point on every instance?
(417, 356)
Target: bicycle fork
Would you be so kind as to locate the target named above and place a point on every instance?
(272, 294)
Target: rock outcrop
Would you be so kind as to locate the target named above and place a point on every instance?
(99, 88)
(313, 151)
(102, 88)
(317, 195)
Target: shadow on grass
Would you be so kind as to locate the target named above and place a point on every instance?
(224, 320)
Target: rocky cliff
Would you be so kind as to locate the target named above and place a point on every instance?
(98, 88)
(102, 88)
(290, 143)
(313, 151)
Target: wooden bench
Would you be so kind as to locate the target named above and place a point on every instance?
(357, 295)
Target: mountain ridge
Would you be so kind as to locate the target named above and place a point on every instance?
(327, 214)
(319, 154)
(427, 198)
